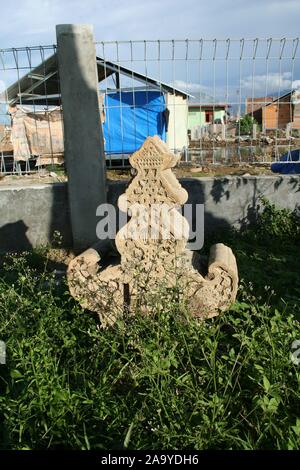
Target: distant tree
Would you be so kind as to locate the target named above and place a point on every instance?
(245, 125)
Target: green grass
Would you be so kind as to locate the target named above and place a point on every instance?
(167, 382)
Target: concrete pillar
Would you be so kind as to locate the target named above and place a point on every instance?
(254, 131)
(288, 130)
(83, 139)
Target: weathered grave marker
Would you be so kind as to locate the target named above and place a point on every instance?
(152, 248)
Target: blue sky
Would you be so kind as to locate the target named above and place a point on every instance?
(32, 22)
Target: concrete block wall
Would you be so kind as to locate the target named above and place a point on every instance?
(29, 215)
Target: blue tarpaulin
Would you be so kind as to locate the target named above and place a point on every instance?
(130, 117)
(290, 168)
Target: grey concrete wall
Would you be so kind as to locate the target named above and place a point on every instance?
(30, 214)
(235, 201)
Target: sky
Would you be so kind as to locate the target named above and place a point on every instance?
(32, 22)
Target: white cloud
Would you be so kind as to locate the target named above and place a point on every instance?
(270, 83)
(189, 86)
(34, 20)
(205, 93)
(198, 91)
(296, 84)
(34, 23)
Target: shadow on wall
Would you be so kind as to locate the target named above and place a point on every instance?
(251, 208)
(195, 189)
(13, 237)
(245, 192)
(295, 184)
(244, 196)
(34, 215)
(220, 189)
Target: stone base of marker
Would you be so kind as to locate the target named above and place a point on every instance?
(111, 292)
(151, 264)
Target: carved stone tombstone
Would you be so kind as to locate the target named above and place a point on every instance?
(152, 248)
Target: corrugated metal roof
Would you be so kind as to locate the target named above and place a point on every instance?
(284, 94)
(41, 85)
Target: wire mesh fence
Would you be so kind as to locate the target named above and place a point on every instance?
(229, 102)
(31, 125)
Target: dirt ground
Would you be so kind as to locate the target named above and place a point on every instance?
(33, 178)
(182, 171)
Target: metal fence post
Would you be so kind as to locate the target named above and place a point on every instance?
(83, 139)
(223, 131)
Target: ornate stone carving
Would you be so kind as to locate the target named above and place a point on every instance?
(152, 246)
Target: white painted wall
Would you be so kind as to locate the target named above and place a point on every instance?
(177, 137)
